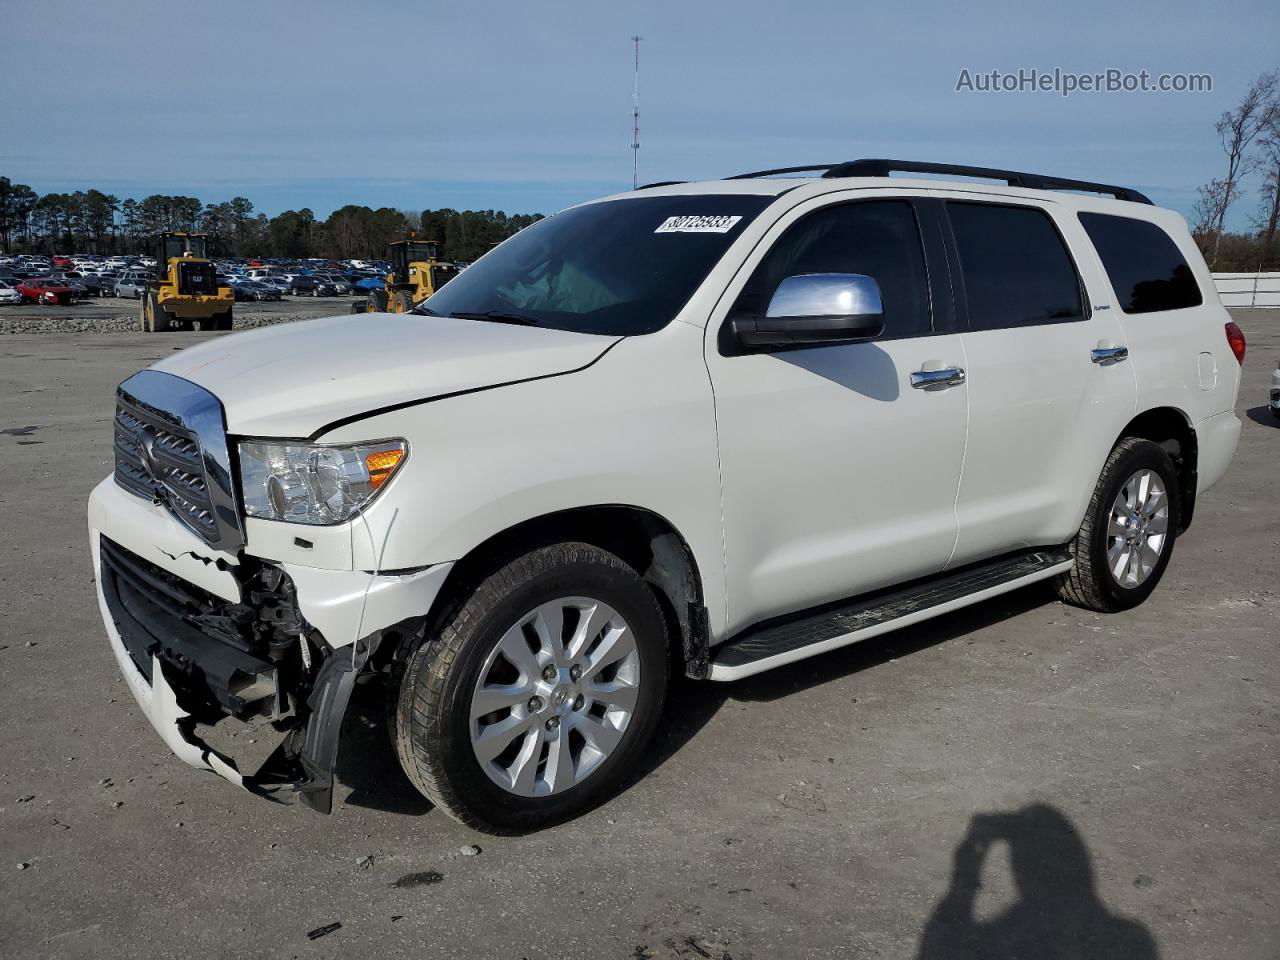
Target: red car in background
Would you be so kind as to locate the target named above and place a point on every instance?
(47, 291)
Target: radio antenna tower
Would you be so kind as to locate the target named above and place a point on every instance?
(635, 121)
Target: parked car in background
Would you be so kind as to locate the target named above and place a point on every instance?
(305, 286)
(242, 290)
(9, 293)
(100, 284)
(78, 285)
(280, 284)
(131, 285)
(48, 291)
(339, 285)
(366, 282)
(259, 291)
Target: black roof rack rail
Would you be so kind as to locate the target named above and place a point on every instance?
(661, 183)
(774, 173)
(1014, 178)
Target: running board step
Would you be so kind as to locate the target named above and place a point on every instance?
(785, 640)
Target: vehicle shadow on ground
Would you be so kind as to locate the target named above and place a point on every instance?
(1264, 416)
(692, 703)
(368, 765)
(367, 761)
(838, 664)
(1057, 912)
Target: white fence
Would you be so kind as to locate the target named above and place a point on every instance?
(1248, 289)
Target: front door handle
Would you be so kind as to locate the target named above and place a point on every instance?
(1109, 355)
(937, 379)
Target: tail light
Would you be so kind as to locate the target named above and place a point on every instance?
(1235, 338)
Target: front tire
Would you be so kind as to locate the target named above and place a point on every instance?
(537, 696)
(154, 317)
(1127, 537)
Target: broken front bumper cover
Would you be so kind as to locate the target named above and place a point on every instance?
(302, 766)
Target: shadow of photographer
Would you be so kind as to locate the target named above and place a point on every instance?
(1057, 913)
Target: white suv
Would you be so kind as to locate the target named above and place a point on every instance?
(707, 427)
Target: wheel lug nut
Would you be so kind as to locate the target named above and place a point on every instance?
(577, 703)
(575, 673)
(553, 724)
(549, 674)
(535, 704)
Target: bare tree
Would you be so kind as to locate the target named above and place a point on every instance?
(1238, 129)
(1268, 216)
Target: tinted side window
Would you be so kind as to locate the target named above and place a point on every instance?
(1017, 272)
(1147, 271)
(879, 238)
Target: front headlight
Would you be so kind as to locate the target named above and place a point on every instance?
(310, 483)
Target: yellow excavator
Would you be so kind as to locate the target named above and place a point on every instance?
(185, 291)
(416, 273)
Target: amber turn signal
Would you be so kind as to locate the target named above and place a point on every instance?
(381, 464)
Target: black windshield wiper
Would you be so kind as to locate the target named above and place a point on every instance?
(423, 310)
(497, 316)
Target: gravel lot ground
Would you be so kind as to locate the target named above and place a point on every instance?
(118, 315)
(815, 811)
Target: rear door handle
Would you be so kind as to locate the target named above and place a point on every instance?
(1109, 355)
(937, 379)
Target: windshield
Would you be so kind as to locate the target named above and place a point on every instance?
(620, 268)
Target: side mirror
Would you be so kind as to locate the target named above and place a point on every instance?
(814, 309)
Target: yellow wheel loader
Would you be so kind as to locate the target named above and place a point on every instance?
(185, 291)
(416, 273)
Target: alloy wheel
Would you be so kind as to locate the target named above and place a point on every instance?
(554, 696)
(1138, 528)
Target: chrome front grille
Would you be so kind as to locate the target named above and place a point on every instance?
(161, 461)
(171, 447)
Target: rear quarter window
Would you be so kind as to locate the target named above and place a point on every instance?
(1017, 271)
(1147, 270)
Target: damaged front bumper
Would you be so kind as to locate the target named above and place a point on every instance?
(201, 636)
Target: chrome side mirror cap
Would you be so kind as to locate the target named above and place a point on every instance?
(826, 295)
(814, 309)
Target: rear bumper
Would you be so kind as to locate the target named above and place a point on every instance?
(1216, 439)
(183, 621)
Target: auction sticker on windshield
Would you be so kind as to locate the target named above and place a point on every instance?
(696, 224)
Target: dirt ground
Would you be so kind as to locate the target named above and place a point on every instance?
(119, 313)
(1019, 779)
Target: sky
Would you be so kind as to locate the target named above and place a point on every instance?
(526, 106)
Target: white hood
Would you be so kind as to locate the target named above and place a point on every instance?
(292, 379)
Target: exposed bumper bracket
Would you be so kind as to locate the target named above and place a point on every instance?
(304, 763)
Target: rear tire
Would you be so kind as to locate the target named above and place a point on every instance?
(597, 690)
(219, 321)
(378, 301)
(1121, 552)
